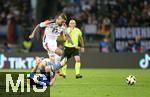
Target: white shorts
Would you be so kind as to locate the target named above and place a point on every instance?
(50, 46)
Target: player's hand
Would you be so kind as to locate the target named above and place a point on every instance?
(31, 36)
(77, 47)
(82, 49)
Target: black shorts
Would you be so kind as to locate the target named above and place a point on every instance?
(70, 51)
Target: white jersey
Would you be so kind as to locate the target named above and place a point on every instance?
(51, 33)
(52, 30)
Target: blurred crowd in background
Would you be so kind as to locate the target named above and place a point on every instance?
(96, 19)
(16, 11)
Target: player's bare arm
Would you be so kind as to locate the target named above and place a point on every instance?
(52, 81)
(36, 29)
(82, 43)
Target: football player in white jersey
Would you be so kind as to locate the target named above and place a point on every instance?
(53, 29)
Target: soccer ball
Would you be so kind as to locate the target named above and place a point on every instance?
(131, 80)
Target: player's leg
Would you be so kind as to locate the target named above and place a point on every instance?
(56, 67)
(63, 63)
(67, 53)
(51, 80)
(52, 48)
(57, 58)
(58, 51)
(60, 73)
(77, 63)
(77, 66)
(64, 71)
(60, 46)
(54, 52)
(38, 61)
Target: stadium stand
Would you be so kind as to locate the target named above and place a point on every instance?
(100, 15)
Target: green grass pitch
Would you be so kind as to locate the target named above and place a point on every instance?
(101, 83)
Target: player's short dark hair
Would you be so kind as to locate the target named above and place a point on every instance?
(63, 15)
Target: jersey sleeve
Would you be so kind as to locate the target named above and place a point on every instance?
(45, 23)
(79, 32)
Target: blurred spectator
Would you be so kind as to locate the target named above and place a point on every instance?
(26, 45)
(10, 30)
(102, 16)
(7, 48)
(142, 49)
(122, 21)
(131, 47)
(106, 26)
(20, 10)
(14, 13)
(138, 45)
(85, 5)
(130, 12)
(82, 10)
(135, 45)
(61, 4)
(104, 46)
